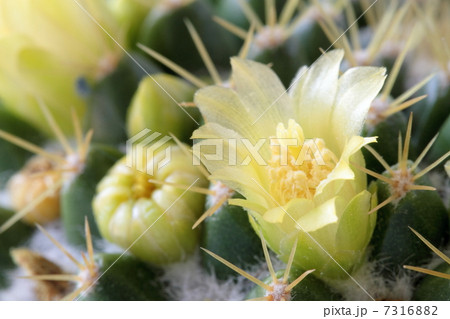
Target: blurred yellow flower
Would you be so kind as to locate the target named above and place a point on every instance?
(47, 48)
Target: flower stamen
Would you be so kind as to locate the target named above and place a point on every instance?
(297, 166)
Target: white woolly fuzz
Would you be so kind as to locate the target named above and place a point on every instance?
(375, 285)
(188, 281)
(5, 199)
(270, 37)
(220, 191)
(20, 289)
(436, 260)
(23, 289)
(442, 184)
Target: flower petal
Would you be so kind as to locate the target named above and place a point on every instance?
(261, 92)
(295, 208)
(319, 217)
(313, 93)
(247, 204)
(221, 147)
(228, 160)
(356, 91)
(343, 171)
(246, 184)
(223, 106)
(353, 224)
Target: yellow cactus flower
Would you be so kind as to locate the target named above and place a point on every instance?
(29, 73)
(66, 29)
(47, 49)
(290, 153)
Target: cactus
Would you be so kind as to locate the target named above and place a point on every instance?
(94, 281)
(35, 190)
(290, 123)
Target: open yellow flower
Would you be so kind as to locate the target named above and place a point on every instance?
(290, 153)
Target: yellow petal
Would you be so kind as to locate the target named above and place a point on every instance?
(222, 147)
(319, 217)
(313, 93)
(29, 72)
(354, 223)
(247, 204)
(295, 208)
(356, 90)
(63, 28)
(223, 106)
(261, 93)
(343, 171)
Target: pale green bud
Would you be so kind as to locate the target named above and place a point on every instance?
(127, 207)
(154, 106)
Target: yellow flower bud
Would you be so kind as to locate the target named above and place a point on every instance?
(158, 110)
(155, 221)
(32, 181)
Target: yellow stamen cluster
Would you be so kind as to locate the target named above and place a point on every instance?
(297, 166)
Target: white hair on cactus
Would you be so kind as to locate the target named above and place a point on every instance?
(23, 289)
(442, 184)
(436, 260)
(400, 287)
(20, 289)
(5, 200)
(188, 281)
